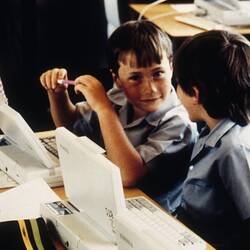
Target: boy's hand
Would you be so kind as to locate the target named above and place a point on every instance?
(49, 80)
(94, 92)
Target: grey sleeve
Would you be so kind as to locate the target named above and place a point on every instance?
(235, 174)
(170, 138)
(82, 124)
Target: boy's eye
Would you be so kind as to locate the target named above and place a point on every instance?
(135, 78)
(158, 74)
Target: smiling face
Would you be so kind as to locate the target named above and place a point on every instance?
(146, 88)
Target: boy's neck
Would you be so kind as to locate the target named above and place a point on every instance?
(205, 117)
(211, 122)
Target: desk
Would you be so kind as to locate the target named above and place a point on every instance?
(129, 192)
(174, 28)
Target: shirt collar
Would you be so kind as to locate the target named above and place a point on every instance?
(218, 131)
(171, 102)
(210, 139)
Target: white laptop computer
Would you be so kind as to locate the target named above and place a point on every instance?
(97, 216)
(23, 156)
(227, 12)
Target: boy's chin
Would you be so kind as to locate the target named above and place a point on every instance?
(152, 108)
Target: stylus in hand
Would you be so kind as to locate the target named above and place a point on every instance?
(69, 82)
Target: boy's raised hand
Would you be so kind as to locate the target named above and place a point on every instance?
(49, 79)
(94, 92)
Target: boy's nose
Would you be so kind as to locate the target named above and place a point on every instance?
(149, 86)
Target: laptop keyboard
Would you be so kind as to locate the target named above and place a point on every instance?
(160, 224)
(50, 144)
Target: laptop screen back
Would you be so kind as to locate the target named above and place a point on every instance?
(92, 183)
(220, 4)
(17, 132)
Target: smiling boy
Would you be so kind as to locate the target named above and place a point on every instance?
(142, 125)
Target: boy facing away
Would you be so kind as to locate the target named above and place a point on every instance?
(213, 83)
(142, 125)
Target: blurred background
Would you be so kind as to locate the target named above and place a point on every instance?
(36, 35)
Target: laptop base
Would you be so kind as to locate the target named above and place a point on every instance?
(23, 167)
(74, 228)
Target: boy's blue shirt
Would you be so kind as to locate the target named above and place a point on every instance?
(163, 138)
(216, 193)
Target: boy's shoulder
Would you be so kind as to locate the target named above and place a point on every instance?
(234, 155)
(236, 141)
(245, 135)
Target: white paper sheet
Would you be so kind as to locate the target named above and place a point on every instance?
(23, 201)
(184, 8)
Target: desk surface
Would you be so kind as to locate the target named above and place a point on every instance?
(170, 25)
(129, 192)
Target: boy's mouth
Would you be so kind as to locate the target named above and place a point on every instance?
(151, 99)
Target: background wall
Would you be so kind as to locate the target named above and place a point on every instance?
(36, 35)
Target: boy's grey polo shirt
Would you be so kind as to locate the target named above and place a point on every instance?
(167, 130)
(216, 193)
(163, 138)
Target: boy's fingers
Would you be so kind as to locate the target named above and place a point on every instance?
(85, 80)
(54, 77)
(47, 79)
(62, 74)
(50, 77)
(79, 88)
(43, 81)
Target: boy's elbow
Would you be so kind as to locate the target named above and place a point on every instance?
(129, 182)
(131, 176)
(129, 179)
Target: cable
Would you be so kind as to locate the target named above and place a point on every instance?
(149, 6)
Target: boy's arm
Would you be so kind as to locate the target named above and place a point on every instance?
(62, 109)
(118, 147)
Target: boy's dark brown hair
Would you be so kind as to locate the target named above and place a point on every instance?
(218, 64)
(142, 38)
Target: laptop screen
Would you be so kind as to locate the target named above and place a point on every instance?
(92, 183)
(220, 4)
(17, 132)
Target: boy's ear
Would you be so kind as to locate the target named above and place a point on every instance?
(196, 96)
(116, 80)
(171, 65)
(114, 76)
